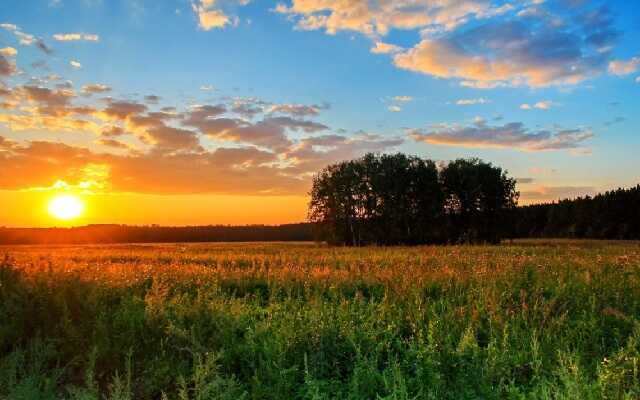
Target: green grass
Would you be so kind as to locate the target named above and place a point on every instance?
(529, 320)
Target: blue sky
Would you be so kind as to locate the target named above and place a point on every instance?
(265, 93)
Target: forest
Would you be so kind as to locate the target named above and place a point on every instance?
(614, 214)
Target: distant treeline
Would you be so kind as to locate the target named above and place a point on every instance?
(610, 215)
(155, 234)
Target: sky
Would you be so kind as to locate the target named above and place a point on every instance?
(220, 111)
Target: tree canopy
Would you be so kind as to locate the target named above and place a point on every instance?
(611, 215)
(399, 199)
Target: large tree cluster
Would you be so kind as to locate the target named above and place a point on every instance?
(399, 199)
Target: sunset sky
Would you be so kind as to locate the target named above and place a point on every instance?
(203, 112)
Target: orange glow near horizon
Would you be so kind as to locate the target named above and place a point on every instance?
(30, 208)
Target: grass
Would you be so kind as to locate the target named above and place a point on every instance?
(528, 320)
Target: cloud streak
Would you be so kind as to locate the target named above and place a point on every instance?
(509, 136)
(76, 37)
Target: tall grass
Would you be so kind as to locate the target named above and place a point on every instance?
(532, 320)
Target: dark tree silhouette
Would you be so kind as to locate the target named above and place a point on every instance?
(155, 234)
(479, 200)
(400, 199)
(610, 215)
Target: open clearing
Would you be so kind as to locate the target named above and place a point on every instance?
(532, 319)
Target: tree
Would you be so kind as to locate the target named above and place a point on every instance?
(400, 199)
(478, 199)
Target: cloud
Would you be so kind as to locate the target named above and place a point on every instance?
(122, 110)
(6, 67)
(470, 102)
(509, 136)
(141, 148)
(553, 193)
(211, 16)
(75, 64)
(151, 99)
(532, 52)
(619, 67)
(48, 101)
(204, 117)
(168, 138)
(207, 88)
(9, 27)
(27, 39)
(113, 143)
(266, 133)
(525, 180)
(311, 154)
(269, 133)
(298, 110)
(113, 131)
(8, 51)
(296, 124)
(209, 19)
(75, 37)
(225, 170)
(395, 108)
(377, 18)
(541, 105)
(534, 43)
(247, 108)
(41, 164)
(385, 48)
(403, 99)
(95, 88)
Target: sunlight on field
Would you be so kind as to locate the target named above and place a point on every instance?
(276, 321)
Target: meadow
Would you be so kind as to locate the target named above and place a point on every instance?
(523, 320)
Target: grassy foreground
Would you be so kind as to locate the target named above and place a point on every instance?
(533, 320)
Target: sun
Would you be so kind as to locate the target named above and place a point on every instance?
(66, 207)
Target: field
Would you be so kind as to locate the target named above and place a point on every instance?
(528, 320)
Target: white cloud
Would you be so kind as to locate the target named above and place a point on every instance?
(395, 108)
(9, 27)
(470, 102)
(385, 48)
(541, 105)
(75, 64)
(74, 37)
(404, 99)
